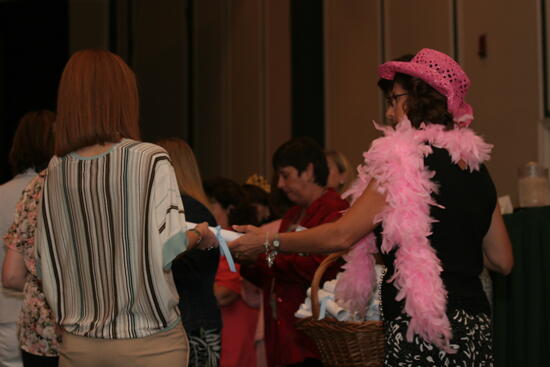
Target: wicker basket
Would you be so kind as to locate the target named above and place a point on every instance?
(342, 343)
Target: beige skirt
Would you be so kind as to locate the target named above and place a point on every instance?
(167, 348)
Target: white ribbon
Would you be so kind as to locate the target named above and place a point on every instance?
(224, 249)
(223, 237)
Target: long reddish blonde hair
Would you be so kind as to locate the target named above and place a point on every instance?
(186, 167)
(97, 102)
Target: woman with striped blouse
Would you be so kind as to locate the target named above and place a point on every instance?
(110, 225)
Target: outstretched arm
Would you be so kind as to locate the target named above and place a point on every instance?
(357, 222)
(497, 248)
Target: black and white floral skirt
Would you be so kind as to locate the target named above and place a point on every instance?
(204, 347)
(472, 337)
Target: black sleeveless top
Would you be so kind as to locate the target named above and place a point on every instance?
(194, 273)
(469, 199)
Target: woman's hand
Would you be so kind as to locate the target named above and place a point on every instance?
(224, 295)
(247, 248)
(208, 239)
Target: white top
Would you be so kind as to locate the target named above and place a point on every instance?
(10, 193)
(109, 227)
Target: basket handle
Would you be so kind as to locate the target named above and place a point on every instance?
(315, 307)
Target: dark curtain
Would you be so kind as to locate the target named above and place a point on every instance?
(522, 299)
(308, 95)
(33, 53)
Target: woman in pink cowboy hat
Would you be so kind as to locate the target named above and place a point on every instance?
(426, 201)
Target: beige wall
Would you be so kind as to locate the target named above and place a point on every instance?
(209, 82)
(159, 59)
(352, 53)
(242, 73)
(246, 87)
(242, 78)
(353, 49)
(151, 37)
(277, 59)
(413, 25)
(505, 91)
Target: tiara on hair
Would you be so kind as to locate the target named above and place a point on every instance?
(260, 181)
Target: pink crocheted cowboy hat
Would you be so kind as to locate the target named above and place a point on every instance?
(442, 73)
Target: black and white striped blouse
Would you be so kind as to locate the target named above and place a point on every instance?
(110, 226)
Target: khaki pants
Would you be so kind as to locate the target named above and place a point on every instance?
(167, 348)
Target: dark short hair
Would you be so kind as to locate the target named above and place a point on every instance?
(424, 103)
(258, 196)
(229, 193)
(32, 145)
(298, 153)
(255, 194)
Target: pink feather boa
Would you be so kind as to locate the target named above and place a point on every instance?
(396, 162)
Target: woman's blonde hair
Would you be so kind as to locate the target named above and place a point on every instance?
(97, 102)
(187, 170)
(343, 166)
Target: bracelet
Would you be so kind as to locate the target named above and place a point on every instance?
(271, 249)
(196, 231)
(266, 242)
(276, 242)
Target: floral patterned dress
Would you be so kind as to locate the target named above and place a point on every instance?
(39, 334)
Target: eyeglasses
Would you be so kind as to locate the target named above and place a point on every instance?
(392, 98)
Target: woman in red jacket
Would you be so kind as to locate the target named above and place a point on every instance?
(302, 169)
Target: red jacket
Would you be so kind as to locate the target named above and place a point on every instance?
(284, 285)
